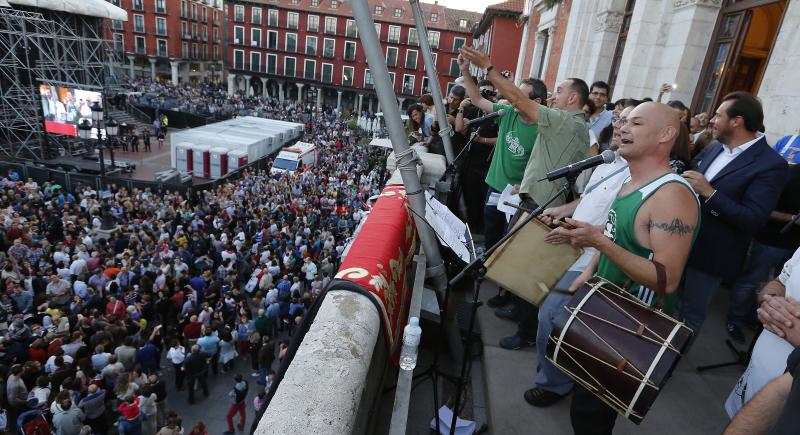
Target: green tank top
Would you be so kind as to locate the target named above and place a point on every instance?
(620, 229)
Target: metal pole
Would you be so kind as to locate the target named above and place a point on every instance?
(433, 82)
(391, 114)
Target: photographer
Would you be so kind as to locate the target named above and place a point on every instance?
(477, 157)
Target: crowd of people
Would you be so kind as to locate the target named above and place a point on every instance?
(109, 295)
(689, 203)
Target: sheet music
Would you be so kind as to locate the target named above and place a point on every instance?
(448, 228)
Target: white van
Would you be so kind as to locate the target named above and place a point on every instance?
(294, 157)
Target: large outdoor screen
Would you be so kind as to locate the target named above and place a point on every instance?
(65, 107)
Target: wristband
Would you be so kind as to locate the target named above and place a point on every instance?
(489, 69)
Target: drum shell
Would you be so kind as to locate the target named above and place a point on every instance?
(617, 347)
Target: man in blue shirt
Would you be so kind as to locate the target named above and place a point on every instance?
(209, 345)
(789, 147)
(22, 299)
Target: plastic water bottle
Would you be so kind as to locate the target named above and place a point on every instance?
(411, 337)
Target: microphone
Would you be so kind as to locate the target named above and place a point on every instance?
(576, 168)
(486, 117)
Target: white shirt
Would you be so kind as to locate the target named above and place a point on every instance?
(600, 192)
(770, 352)
(726, 156)
(176, 355)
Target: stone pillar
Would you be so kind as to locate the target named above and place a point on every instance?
(131, 58)
(360, 102)
(280, 91)
(152, 67)
(174, 64)
(370, 104)
(300, 91)
(339, 101)
(546, 60)
(247, 89)
(202, 71)
(538, 49)
(231, 83)
(400, 102)
(264, 92)
(319, 97)
(378, 109)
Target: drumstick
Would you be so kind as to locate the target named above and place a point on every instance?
(564, 224)
(526, 210)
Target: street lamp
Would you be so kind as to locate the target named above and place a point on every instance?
(85, 133)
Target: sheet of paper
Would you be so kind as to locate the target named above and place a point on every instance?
(494, 197)
(448, 228)
(507, 196)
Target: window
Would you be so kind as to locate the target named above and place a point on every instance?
(391, 56)
(334, 4)
(216, 34)
(205, 32)
(205, 14)
(238, 12)
(433, 39)
(272, 64)
(255, 61)
(161, 7)
(378, 11)
(310, 69)
(238, 59)
(138, 23)
(138, 5)
(140, 44)
(313, 23)
(294, 2)
(238, 35)
(194, 29)
(255, 37)
(349, 50)
(351, 31)
(289, 66)
(291, 42)
(462, 23)
(327, 73)
(117, 24)
(433, 58)
(119, 42)
(255, 16)
(348, 75)
(314, 3)
(368, 83)
(183, 8)
(425, 89)
(194, 51)
(398, 12)
(391, 78)
(458, 42)
(185, 50)
(205, 51)
(408, 84)
(378, 29)
(329, 47)
(394, 34)
(272, 40)
(434, 17)
(411, 59)
(216, 52)
(413, 36)
(330, 25)
(292, 18)
(273, 18)
(311, 45)
(454, 68)
(161, 26)
(194, 11)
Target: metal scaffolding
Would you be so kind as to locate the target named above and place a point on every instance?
(43, 46)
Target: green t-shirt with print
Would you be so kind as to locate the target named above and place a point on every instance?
(515, 141)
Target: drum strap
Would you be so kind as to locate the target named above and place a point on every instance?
(656, 360)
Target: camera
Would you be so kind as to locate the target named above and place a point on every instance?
(488, 93)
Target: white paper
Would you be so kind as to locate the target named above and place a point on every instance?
(493, 200)
(463, 427)
(448, 228)
(507, 196)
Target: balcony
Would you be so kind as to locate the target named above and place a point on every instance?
(140, 50)
(186, 36)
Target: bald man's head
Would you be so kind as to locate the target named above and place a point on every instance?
(650, 131)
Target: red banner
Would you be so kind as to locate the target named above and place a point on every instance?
(379, 257)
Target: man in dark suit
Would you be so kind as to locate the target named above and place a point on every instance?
(739, 180)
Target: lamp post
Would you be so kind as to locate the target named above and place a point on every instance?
(85, 133)
(101, 141)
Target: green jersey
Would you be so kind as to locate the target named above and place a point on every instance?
(512, 150)
(620, 229)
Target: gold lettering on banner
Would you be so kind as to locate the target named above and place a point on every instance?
(352, 273)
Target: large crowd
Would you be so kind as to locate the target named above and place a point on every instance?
(95, 321)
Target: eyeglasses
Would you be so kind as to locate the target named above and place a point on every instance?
(619, 121)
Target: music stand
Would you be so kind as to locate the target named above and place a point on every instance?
(742, 357)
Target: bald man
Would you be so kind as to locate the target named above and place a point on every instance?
(648, 235)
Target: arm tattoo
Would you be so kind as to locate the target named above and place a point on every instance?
(675, 227)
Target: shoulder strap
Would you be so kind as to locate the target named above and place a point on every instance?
(789, 143)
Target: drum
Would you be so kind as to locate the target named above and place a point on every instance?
(527, 266)
(617, 347)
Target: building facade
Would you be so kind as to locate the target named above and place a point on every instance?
(177, 40)
(499, 34)
(705, 48)
(310, 49)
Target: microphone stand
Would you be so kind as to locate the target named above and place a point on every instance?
(452, 166)
(477, 270)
